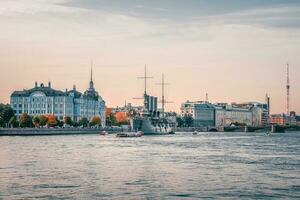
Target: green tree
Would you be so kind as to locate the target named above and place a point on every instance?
(59, 122)
(6, 112)
(95, 121)
(68, 120)
(36, 121)
(188, 120)
(13, 122)
(111, 120)
(180, 122)
(75, 124)
(83, 122)
(25, 120)
(43, 120)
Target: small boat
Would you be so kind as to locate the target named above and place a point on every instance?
(130, 134)
(103, 133)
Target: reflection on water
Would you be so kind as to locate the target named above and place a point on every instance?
(216, 165)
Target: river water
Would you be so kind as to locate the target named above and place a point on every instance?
(208, 165)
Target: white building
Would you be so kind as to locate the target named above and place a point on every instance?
(226, 115)
(46, 100)
(223, 114)
(260, 112)
(188, 108)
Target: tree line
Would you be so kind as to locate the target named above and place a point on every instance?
(27, 121)
(8, 119)
(185, 121)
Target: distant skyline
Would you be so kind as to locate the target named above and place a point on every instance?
(234, 50)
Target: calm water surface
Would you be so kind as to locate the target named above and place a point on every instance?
(208, 165)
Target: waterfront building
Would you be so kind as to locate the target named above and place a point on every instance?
(226, 115)
(202, 112)
(126, 108)
(222, 114)
(188, 108)
(278, 119)
(283, 119)
(42, 99)
(260, 112)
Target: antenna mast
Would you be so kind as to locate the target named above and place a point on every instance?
(288, 90)
(91, 70)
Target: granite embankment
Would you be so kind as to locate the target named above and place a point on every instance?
(50, 131)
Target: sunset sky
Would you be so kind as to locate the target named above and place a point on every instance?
(234, 50)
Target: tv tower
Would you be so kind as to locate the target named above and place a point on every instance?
(287, 90)
(206, 97)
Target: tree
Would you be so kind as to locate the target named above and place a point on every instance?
(188, 120)
(121, 118)
(25, 120)
(59, 123)
(95, 121)
(6, 113)
(36, 121)
(75, 124)
(68, 120)
(43, 120)
(13, 122)
(111, 120)
(2, 106)
(83, 122)
(131, 113)
(180, 122)
(51, 120)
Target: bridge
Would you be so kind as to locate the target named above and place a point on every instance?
(271, 128)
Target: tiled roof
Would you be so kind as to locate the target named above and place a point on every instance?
(47, 90)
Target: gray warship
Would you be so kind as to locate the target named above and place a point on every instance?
(148, 121)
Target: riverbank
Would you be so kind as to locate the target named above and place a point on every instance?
(52, 131)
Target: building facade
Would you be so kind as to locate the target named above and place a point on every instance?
(283, 119)
(297, 120)
(188, 108)
(278, 119)
(223, 114)
(260, 112)
(202, 112)
(42, 100)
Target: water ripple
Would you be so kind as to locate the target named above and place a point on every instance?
(182, 166)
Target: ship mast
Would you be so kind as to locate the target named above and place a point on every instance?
(145, 77)
(163, 100)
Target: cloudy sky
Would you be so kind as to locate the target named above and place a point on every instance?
(234, 50)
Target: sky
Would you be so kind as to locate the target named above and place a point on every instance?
(234, 50)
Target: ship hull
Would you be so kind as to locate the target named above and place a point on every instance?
(148, 129)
